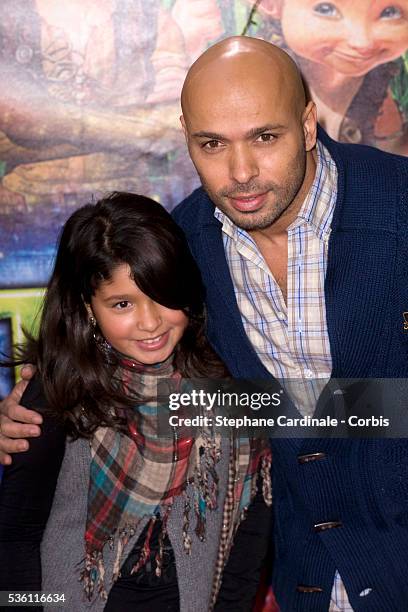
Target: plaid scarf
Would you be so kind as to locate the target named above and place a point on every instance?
(138, 476)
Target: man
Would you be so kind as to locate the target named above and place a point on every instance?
(302, 245)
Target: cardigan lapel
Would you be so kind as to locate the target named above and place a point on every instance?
(215, 271)
(216, 275)
(358, 284)
(206, 243)
(361, 267)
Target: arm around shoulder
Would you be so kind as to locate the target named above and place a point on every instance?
(16, 421)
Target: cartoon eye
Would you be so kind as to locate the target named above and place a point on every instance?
(326, 9)
(391, 12)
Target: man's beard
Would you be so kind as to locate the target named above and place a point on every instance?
(269, 213)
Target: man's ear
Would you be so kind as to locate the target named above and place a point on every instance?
(272, 8)
(309, 120)
(184, 127)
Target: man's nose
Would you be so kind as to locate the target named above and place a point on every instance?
(148, 316)
(243, 164)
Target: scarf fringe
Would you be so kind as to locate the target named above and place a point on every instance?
(145, 552)
(266, 466)
(186, 524)
(124, 537)
(163, 532)
(204, 482)
(205, 493)
(93, 575)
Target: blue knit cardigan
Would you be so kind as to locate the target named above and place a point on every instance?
(362, 485)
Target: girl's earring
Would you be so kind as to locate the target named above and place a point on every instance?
(92, 322)
(99, 340)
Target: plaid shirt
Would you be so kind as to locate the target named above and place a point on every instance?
(291, 339)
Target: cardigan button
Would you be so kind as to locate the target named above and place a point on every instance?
(327, 525)
(303, 588)
(310, 457)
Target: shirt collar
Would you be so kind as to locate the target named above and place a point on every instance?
(318, 206)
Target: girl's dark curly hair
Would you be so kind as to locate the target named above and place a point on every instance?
(122, 228)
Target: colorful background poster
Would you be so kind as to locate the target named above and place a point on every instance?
(89, 103)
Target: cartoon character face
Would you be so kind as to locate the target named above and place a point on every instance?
(350, 36)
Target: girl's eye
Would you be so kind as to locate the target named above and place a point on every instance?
(122, 305)
(327, 9)
(391, 12)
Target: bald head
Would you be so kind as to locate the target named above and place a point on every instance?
(239, 60)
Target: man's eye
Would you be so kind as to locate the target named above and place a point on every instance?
(211, 144)
(122, 305)
(327, 9)
(266, 137)
(391, 12)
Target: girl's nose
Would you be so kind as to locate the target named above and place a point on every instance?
(149, 317)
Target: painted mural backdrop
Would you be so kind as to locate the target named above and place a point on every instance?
(89, 103)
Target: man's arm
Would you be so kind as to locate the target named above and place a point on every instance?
(17, 422)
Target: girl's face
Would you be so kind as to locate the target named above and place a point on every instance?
(133, 323)
(350, 36)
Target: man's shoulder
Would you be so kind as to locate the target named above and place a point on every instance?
(194, 211)
(365, 159)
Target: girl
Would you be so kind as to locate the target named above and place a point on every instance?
(139, 519)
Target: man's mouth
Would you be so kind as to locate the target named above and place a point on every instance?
(248, 203)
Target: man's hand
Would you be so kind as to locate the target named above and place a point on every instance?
(16, 422)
